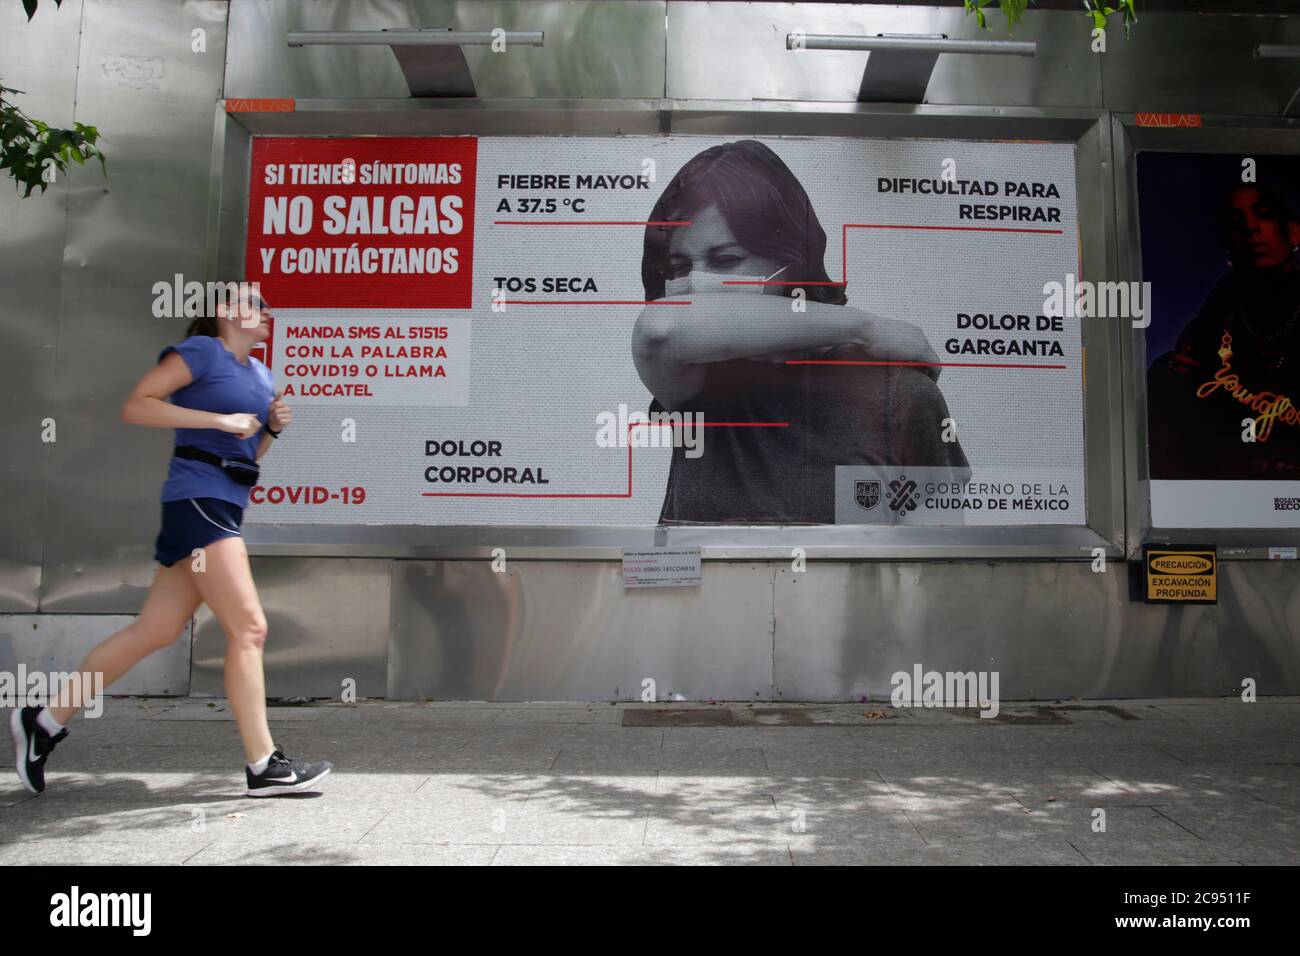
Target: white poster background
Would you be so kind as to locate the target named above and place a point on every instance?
(1225, 504)
(402, 377)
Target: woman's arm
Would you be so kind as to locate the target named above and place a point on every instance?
(278, 416)
(914, 420)
(147, 404)
(670, 343)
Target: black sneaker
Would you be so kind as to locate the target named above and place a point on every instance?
(283, 775)
(32, 746)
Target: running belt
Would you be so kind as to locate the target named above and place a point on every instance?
(241, 470)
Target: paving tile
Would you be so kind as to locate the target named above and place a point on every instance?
(341, 854)
(606, 821)
(901, 854)
(722, 824)
(1248, 833)
(75, 853)
(694, 855)
(706, 788)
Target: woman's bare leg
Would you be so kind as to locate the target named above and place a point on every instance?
(169, 606)
(226, 587)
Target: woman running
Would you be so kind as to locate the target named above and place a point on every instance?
(226, 413)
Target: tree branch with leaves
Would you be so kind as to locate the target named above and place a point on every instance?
(1099, 11)
(33, 152)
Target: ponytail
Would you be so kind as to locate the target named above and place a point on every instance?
(203, 325)
(207, 324)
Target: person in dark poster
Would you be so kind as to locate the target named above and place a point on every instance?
(725, 357)
(1238, 357)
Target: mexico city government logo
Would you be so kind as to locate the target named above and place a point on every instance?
(903, 494)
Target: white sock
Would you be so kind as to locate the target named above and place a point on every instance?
(48, 723)
(260, 766)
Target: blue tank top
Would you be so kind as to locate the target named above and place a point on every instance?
(224, 385)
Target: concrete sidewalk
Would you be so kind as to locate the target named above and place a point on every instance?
(1179, 781)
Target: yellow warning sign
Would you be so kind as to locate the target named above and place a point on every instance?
(1181, 575)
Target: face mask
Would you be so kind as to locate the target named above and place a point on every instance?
(717, 282)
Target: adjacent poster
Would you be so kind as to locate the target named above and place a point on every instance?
(1221, 250)
(631, 331)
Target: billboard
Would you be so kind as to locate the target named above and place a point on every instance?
(631, 331)
(1220, 236)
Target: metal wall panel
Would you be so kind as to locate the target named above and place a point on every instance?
(151, 97)
(593, 48)
(566, 630)
(57, 643)
(40, 58)
(1104, 381)
(327, 621)
(738, 51)
(1050, 630)
(1200, 64)
(569, 631)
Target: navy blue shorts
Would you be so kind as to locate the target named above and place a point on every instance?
(194, 523)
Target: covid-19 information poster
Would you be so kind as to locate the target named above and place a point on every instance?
(631, 331)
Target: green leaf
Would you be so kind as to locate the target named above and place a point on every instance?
(29, 146)
(1013, 10)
